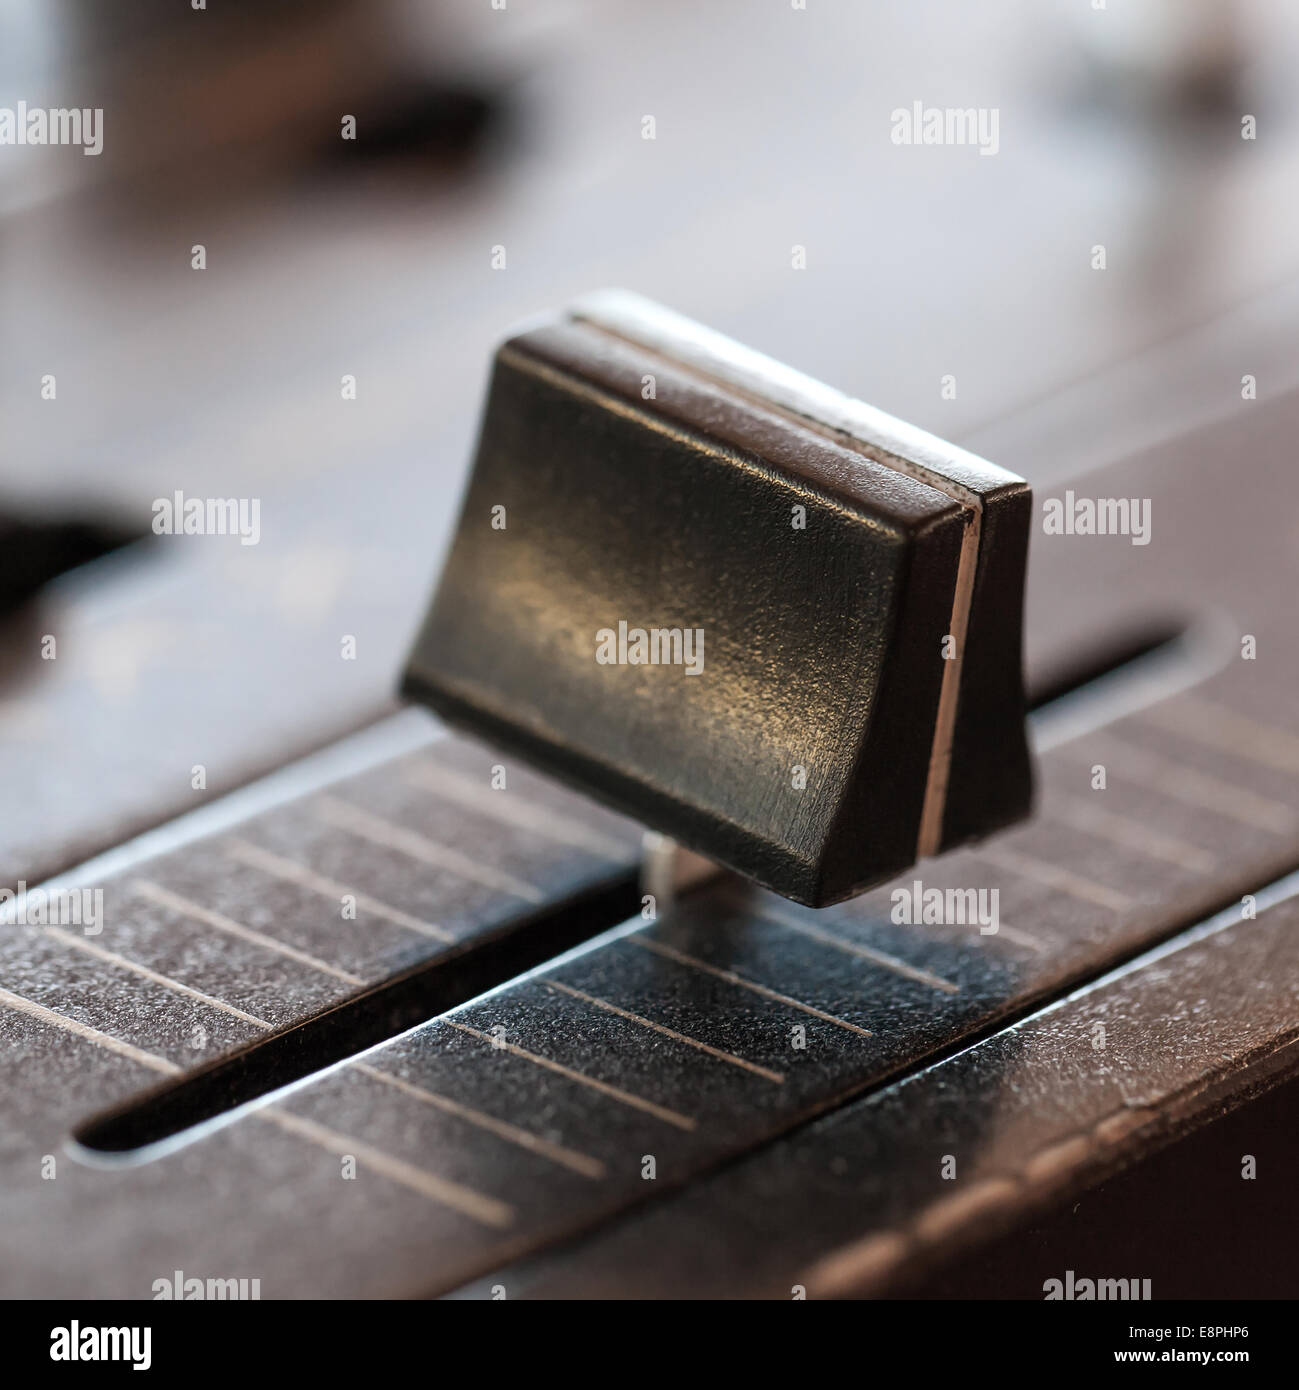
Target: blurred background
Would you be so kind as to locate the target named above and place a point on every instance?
(500, 165)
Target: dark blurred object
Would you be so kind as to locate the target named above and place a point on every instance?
(34, 552)
(249, 91)
(1178, 58)
(446, 123)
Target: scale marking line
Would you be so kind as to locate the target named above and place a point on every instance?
(1215, 726)
(122, 962)
(1053, 876)
(344, 815)
(855, 948)
(1201, 790)
(164, 897)
(291, 872)
(577, 1162)
(488, 1211)
(511, 809)
(720, 1053)
(1128, 833)
(84, 1030)
(671, 953)
(660, 1112)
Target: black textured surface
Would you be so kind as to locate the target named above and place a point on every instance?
(875, 1196)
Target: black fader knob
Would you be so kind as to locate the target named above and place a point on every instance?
(762, 618)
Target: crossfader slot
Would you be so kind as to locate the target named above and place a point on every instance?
(1114, 677)
(364, 1021)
